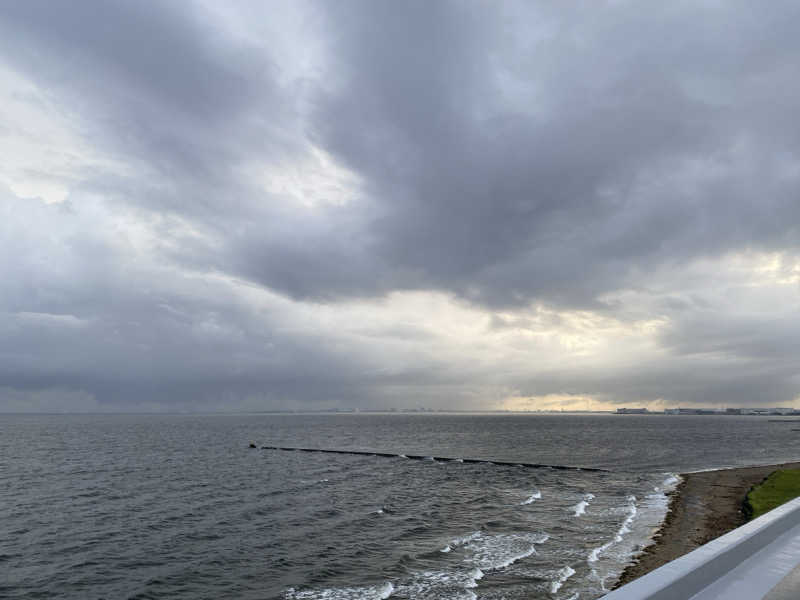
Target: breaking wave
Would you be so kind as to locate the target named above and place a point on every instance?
(580, 507)
(594, 555)
(532, 498)
(376, 592)
(561, 577)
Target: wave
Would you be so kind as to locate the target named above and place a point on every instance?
(450, 585)
(475, 575)
(374, 592)
(594, 555)
(669, 484)
(498, 551)
(534, 496)
(460, 541)
(671, 481)
(561, 577)
(580, 507)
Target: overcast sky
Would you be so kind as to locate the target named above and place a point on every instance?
(245, 206)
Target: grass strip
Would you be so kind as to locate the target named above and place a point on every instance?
(779, 487)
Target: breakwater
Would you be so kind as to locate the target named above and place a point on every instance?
(433, 458)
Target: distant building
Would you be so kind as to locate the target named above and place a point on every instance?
(632, 411)
(767, 411)
(781, 411)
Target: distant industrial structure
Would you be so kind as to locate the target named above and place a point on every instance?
(778, 411)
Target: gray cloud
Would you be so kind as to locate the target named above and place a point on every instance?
(263, 164)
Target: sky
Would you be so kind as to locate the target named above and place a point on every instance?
(211, 206)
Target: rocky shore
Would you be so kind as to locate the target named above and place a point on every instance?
(703, 506)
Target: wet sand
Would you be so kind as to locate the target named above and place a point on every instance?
(703, 506)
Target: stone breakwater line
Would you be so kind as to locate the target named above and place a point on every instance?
(435, 458)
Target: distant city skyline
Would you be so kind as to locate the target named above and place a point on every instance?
(301, 205)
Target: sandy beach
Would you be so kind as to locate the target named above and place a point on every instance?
(703, 506)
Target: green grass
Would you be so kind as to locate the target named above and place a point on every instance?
(781, 486)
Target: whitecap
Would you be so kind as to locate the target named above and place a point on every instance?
(671, 481)
(594, 555)
(668, 484)
(446, 585)
(494, 552)
(374, 592)
(475, 575)
(580, 507)
(460, 541)
(561, 577)
(534, 496)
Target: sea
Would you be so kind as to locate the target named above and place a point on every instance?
(181, 507)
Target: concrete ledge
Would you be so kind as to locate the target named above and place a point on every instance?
(688, 575)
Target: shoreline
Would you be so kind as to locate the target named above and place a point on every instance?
(702, 507)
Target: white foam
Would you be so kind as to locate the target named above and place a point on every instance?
(442, 585)
(533, 497)
(671, 481)
(561, 577)
(494, 552)
(658, 503)
(668, 484)
(628, 520)
(374, 592)
(594, 555)
(475, 575)
(460, 541)
(507, 562)
(580, 507)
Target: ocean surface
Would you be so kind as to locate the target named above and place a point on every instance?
(179, 507)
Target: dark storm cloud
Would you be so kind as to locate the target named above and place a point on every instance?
(507, 155)
(557, 168)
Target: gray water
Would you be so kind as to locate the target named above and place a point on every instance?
(146, 506)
